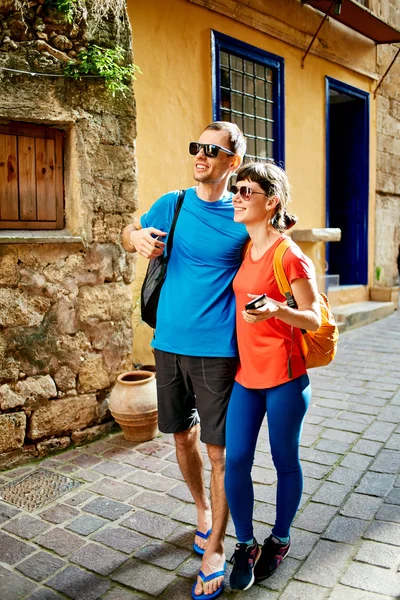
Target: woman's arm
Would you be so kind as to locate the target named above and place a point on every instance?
(306, 316)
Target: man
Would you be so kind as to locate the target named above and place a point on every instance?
(195, 342)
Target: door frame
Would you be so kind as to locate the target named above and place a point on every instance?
(349, 90)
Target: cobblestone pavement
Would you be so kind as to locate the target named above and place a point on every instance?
(126, 532)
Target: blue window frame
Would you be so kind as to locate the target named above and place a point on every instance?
(248, 89)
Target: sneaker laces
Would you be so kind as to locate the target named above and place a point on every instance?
(240, 558)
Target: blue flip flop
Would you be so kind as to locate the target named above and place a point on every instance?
(205, 536)
(205, 579)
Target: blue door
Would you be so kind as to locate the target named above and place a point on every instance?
(347, 171)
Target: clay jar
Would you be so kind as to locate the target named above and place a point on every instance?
(133, 404)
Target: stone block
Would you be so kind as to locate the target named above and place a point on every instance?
(53, 444)
(40, 566)
(150, 524)
(37, 388)
(296, 590)
(9, 399)
(119, 471)
(60, 541)
(380, 555)
(145, 578)
(394, 495)
(367, 447)
(375, 484)
(12, 431)
(361, 506)
(388, 461)
(388, 512)
(283, 575)
(109, 509)
(92, 374)
(15, 458)
(157, 503)
(382, 531)
(78, 584)
(345, 476)
(325, 563)
(122, 539)
(13, 586)
(121, 594)
(98, 559)
(59, 513)
(345, 529)
(85, 525)
(109, 302)
(114, 489)
(18, 309)
(92, 433)
(65, 379)
(25, 527)
(331, 493)
(341, 592)
(372, 579)
(63, 416)
(12, 550)
(379, 431)
(302, 543)
(315, 517)
(353, 460)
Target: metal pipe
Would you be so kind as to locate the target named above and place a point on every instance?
(315, 35)
(386, 72)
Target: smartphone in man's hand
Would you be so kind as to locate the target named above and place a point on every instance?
(256, 302)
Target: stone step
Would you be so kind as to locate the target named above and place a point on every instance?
(347, 294)
(357, 314)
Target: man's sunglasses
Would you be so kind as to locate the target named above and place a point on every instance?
(244, 192)
(210, 150)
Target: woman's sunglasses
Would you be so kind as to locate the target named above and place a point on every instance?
(210, 150)
(244, 192)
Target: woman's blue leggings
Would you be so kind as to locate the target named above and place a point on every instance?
(286, 406)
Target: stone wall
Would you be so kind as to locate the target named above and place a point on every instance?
(388, 156)
(65, 300)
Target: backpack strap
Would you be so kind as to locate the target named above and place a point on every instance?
(279, 271)
(178, 207)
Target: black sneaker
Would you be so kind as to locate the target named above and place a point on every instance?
(244, 560)
(272, 554)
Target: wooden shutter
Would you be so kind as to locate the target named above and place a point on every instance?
(31, 177)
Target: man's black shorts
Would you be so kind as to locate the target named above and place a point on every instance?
(189, 387)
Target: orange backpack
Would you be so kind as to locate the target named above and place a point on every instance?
(317, 347)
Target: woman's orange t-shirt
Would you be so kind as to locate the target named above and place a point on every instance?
(265, 347)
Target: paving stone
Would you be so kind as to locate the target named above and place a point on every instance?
(342, 592)
(163, 555)
(264, 493)
(345, 529)
(181, 492)
(370, 400)
(184, 536)
(191, 567)
(388, 512)
(120, 594)
(114, 489)
(109, 509)
(331, 493)
(40, 566)
(87, 475)
(25, 526)
(78, 584)
(296, 590)
(151, 481)
(14, 586)
(333, 446)
(150, 524)
(8, 511)
(281, 577)
(341, 436)
(44, 594)
(379, 431)
(391, 414)
(302, 543)
(59, 513)
(99, 559)
(113, 469)
(174, 472)
(313, 419)
(266, 513)
(141, 461)
(356, 461)
(322, 411)
(85, 524)
(154, 448)
(79, 498)
(142, 577)
(314, 470)
(388, 461)
(262, 475)
(361, 506)
(13, 550)
(393, 442)
(315, 517)
(375, 484)
(117, 454)
(325, 563)
(372, 579)
(322, 458)
(120, 538)
(367, 447)
(60, 541)
(310, 485)
(365, 409)
(356, 417)
(181, 588)
(164, 505)
(377, 554)
(344, 425)
(382, 531)
(86, 461)
(394, 495)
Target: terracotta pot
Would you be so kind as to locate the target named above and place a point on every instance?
(133, 404)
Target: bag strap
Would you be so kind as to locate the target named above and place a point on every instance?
(178, 207)
(279, 272)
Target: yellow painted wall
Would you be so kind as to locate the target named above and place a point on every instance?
(172, 46)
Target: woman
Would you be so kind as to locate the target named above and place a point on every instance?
(271, 378)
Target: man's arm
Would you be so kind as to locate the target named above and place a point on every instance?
(143, 240)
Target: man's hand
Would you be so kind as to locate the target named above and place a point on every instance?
(147, 241)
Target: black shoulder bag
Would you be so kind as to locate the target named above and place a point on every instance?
(156, 272)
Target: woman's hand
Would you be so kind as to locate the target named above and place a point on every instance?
(266, 311)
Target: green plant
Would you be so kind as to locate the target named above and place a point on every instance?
(65, 6)
(105, 63)
(378, 271)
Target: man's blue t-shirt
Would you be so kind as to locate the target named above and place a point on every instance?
(196, 311)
